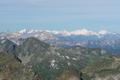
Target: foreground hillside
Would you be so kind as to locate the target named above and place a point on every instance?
(36, 60)
(12, 69)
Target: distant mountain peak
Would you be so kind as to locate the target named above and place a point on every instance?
(83, 31)
(103, 32)
(23, 31)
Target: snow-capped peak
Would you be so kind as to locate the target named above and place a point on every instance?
(103, 32)
(83, 32)
(23, 31)
(76, 32)
(65, 33)
(29, 31)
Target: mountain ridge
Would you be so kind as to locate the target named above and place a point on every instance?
(86, 38)
(68, 33)
(47, 62)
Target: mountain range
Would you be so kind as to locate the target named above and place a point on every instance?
(103, 39)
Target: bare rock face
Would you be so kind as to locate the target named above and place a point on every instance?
(73, 78)
(12, 69)
(69, 75)
(37, 77)
(109, 77)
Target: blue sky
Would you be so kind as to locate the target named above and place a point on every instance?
(60, 14)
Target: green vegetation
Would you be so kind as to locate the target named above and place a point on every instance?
(11, 69)
(36, 60)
